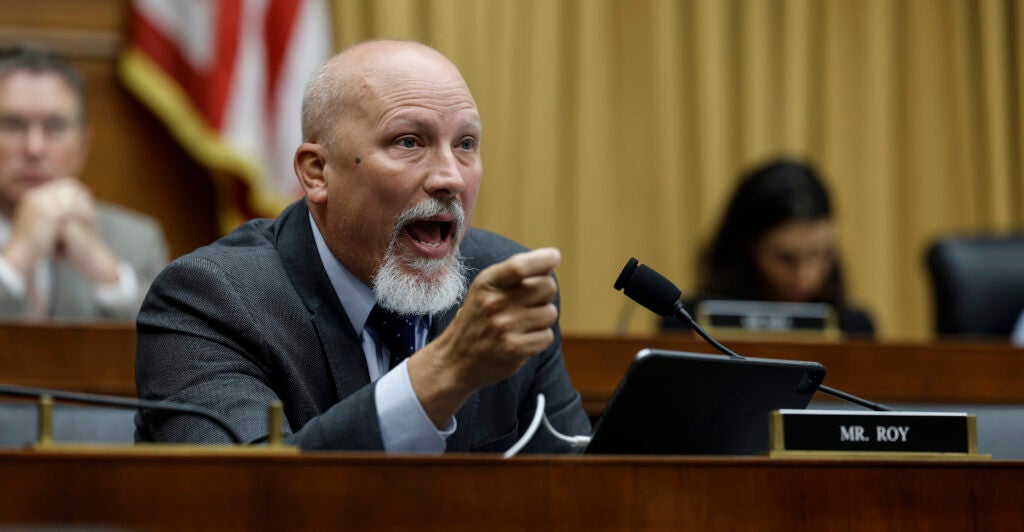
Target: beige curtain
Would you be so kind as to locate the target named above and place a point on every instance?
(618, 128)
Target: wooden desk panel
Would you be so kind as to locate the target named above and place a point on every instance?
(100, 358)
(947, 372)
(341, 491)
(93, 357)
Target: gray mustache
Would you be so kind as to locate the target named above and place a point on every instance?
(433, 207)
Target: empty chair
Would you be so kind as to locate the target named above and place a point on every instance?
(978, 284)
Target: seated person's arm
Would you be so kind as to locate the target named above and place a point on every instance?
(140, 253)
(58, 220)
(201, 341)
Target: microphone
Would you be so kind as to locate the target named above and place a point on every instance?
(124, 402)
(659, 295)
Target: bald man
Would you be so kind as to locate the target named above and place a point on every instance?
(370, 308)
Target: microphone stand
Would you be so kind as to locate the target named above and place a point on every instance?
(122, 402)
(681, 315)
(656, 293)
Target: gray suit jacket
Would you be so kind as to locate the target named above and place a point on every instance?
(132, 237)
(254, 317)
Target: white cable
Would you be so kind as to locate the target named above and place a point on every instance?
(530, 431)
(538, 416)
(575, 441)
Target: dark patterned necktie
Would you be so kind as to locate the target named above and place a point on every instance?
(397, 332)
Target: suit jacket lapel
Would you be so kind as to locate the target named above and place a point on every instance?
(440, 322)
(341, 346)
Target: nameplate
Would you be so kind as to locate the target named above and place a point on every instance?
(844, 432)
(766, 316)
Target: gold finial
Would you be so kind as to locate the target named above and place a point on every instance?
(275, 414)
(45, 420)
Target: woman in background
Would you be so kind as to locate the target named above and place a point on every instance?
(777, 242)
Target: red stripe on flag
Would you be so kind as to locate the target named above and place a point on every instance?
(278, 27)
(229, 19)
(208, 90)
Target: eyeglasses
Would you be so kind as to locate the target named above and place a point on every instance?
(14, 127)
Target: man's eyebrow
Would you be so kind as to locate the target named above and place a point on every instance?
(474, 123)
(469, 124)
(406, 121)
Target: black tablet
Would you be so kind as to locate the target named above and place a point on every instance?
(688, 403)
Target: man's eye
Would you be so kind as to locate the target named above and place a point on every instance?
(407, 142)
(12, 124)
(56, 125)
(467, 144)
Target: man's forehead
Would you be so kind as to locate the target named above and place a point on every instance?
(403, 93)
(385, 78)
(35, 77)
(20, 87)
(379, 80)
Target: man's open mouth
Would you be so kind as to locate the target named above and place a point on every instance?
(430, 233)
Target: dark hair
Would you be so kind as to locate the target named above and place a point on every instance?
(779, 192)
(39, 61)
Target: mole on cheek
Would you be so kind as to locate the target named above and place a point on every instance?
(358, 160)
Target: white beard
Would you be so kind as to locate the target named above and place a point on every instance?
(412, 294)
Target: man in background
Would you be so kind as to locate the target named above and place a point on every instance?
(62, 254)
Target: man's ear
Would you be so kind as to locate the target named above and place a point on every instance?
(310, 163)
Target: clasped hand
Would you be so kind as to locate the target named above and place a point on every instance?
(57, 219)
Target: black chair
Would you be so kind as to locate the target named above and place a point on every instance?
(978, 284)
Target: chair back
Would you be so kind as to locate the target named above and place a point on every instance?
(978, 284)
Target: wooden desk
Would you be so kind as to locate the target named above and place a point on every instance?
(161, 490)
(100, 358)
(947, 372)
(82, 357)
(155, 490)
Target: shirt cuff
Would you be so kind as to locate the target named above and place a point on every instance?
(404, 425)
(121, 293)
(11, 279)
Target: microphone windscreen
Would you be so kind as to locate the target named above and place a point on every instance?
(649, 288)
(626, 273)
